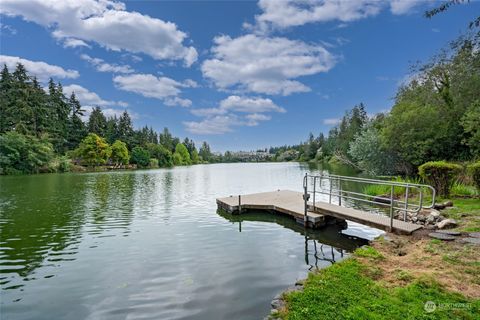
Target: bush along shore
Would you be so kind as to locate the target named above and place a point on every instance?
(432, 274)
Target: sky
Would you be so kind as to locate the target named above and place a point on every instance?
(241, 75)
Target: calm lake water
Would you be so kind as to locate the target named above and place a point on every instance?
(151, 245)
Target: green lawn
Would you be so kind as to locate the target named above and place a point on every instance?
(348, 290)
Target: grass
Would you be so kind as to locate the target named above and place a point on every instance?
(346, 291)
(466, 211)
(380, 283)
(377, 190)
(463, 190)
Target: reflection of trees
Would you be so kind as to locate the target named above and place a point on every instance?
(325, 244)
(109, 201)
(44, 217)
(41, 219)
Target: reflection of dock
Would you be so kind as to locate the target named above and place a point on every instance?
(292, 203)
(327, 244)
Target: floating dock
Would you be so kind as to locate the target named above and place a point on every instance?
(291, 203)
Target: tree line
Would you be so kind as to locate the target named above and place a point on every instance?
(435, 116)
(43, 131)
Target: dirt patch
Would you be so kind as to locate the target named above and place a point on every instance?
(456, 266)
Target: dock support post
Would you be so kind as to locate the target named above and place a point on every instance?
(391, 208)
(239, 204)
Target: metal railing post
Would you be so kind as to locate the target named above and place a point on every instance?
(406, 204)
(330, 193)
(305, 199)
(314, 189)
(391, 208)
(339, 192)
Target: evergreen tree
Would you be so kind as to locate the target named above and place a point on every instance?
(97, 123)
(125, 129)
(76, 128)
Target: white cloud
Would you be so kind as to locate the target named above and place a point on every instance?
(399, 7)
(106, 23)
(176, 101)
(264, 65)
(150, 86)
(290, 13)
(331, 121)
(102, 66)
(73, 43)
(226, 116)
(89, 98)
(255, 118)
(42, 70)
(214, 125)
(240, 104)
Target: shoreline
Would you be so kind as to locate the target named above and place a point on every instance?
(412, 271)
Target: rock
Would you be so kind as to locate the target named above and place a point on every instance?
(430, 219)
(449, 232)
(421, 218)
(471, 240)
(446, 224)
(299, 282)
(448, 204)
(439, 206)
(441, 236)
(474, 234)
(414, 219)
(277, 304)
(434, 213)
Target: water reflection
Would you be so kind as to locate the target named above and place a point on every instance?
(325, 244)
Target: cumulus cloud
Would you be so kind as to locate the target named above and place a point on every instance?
(331, 121)
(264, 65)
(291, 13)
(214, 125)
(89, 98)
(228, 115)
(106, 23)
(42, 70)
(150, 86)
(102, 66)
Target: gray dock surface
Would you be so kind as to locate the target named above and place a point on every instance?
(291, 203)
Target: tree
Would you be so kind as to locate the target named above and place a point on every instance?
(119, 153)
(182, 151)
(97, 123)
(159, 152)
(140, 156)
(167, 140)
(194, 157)
(471, 125)
(125, 129)
(23, 154)
(93, 150)
(205, 153)
(76, 127)
(367, 152)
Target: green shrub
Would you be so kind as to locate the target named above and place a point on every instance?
(153, 163)
(440, 174)
(474, 172)
(140, 156)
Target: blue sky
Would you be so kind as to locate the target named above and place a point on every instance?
(240, 75)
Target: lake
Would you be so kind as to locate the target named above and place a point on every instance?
(151, 245)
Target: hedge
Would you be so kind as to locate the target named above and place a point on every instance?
(440, 174)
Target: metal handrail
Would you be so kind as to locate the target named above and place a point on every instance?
(390, 202)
